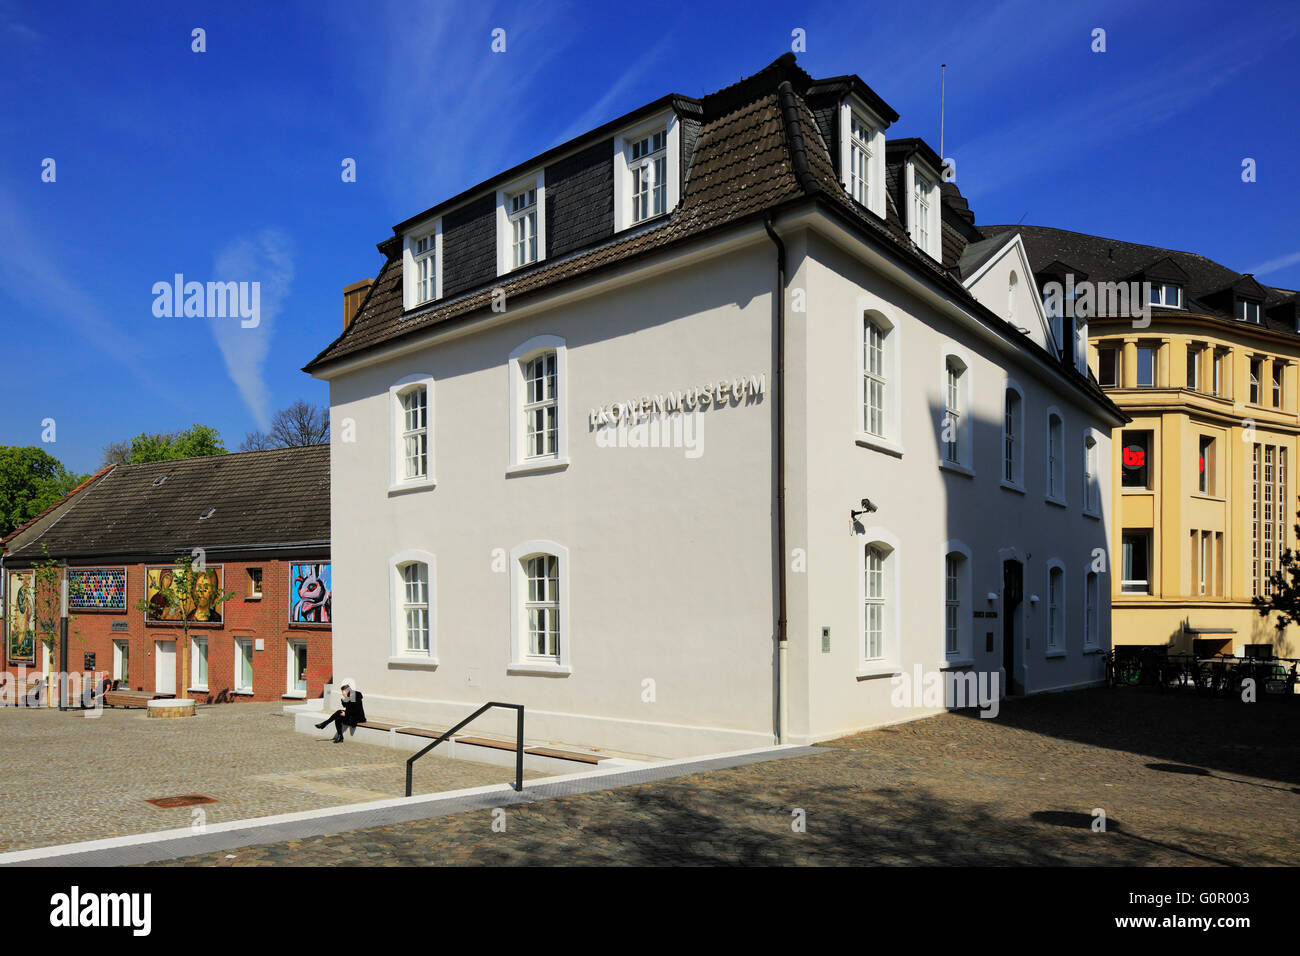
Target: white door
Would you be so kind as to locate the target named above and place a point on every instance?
(165, 667)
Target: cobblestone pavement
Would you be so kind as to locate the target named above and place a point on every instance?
(1182, 780)
(67, 778)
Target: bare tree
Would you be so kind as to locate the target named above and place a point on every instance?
(299, 424)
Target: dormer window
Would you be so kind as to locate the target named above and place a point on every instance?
(646, 172)
(422, 266)
(923, 213)
(1248, 311)
(1166, 294)
(862, 156)
(521, 230)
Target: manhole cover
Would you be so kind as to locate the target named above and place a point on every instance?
(187, 800)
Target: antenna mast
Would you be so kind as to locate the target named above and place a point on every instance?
(943, 70)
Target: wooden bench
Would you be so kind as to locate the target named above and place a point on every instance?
(138, 699)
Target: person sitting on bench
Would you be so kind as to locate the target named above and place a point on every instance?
(353, 713)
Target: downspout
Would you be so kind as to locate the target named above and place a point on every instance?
(809, 185)
(782, 641)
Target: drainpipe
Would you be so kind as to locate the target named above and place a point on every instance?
(783, 643)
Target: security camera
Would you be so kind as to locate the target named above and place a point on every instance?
(867, 506)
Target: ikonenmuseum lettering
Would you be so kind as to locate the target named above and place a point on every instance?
(719, 394)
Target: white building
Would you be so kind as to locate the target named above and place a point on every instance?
(557, 462)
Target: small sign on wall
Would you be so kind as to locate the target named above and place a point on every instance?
(89, 662)
(121, 625)
(826, 640)
(259, 644)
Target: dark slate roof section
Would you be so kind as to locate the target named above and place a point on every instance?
(264, 501)
(976, 254)
(38, 523)
(1111, 260)
(743, 168)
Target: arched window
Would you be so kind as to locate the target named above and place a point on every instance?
(875, 378)
(413, 641)
(1055, 457)
(538, 432)
(1012, 283)
(1013, 428)
(412, 433)
(1055, 608)
(1091, 620)
(1091, 478)
(875, 602)
(539, 622)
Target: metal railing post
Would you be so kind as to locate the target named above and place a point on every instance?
(519, 752)
(519, 744)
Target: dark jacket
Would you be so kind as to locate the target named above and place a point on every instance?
(353, 711)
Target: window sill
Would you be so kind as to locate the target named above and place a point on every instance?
(402, 487)
(954, 663)
(413, 661)
(879, 444)
(196, 690)
(1058, 502)
(537, 667)
(1207, 497)
(1053, 655)
(531, 466)
(957, 468)
(1096, 516)
(1137, 491)
(295, 695)
(253, 598)
(242, 693)
(1012, 486)
(870, 672)
(1093, 649)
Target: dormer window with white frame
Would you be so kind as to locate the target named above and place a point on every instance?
(1167, 294)
(521, 224)
(862, 155)
(422, 266)
(923, 209)
(647, 171)
(1248, 311)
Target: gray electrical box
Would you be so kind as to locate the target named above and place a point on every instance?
(826, 640)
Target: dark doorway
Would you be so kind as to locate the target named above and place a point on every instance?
(1013, 591)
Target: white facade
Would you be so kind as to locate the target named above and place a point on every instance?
(666, 591)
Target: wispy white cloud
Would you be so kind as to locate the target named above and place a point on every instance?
(32, 273)
(267, 259)
(1276, 265)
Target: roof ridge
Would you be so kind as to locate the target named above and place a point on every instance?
(1125, 242)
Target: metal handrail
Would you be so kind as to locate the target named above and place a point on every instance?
(519, 743)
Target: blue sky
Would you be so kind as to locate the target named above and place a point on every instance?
(226, 164)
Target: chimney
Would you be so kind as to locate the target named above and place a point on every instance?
(353, 296)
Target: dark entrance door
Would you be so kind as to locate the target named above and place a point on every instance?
(1013, 591)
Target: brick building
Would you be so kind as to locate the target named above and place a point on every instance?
(260, 523)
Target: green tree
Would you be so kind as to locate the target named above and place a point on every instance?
(194, 442)
(31, 479)
(1284, 588)
(193, 591)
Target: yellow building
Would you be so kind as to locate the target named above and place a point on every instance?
(1204, 474)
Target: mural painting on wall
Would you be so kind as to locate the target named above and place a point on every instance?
(97, 589)
(22, 614)
(311, 599)
(208, 583)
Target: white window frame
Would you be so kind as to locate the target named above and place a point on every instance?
(623, 204)
(397, 480)
(926, 235)
(121, 651)
(886, 664)
(1057, 610)
(1016, 482)
(519, 462)
(963, 653)
(1054, 469)
(399, 654)
(410, 282)
(1091, 610)
(876, 157)
(1159, 297)
(195, 683)
(1091, 473)
(505, 221)
(521, 661)
(255, 584)
(1254, 380)
(1150, 560)
(1247, 310)
(1154, 350)
(952, 357)
(1194, 353)
(241, 644)
(291, 667)
(891, 442)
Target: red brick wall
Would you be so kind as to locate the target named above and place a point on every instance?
(266, 618)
